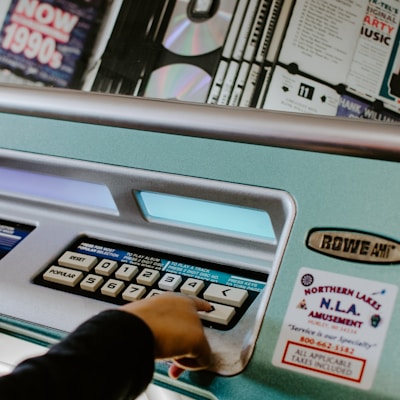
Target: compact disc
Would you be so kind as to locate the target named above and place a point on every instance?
(189, 37)
(179, 81)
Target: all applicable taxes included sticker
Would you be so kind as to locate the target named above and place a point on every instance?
(335, 327)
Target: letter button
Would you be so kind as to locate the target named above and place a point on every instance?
(81, 262)
(63, 276)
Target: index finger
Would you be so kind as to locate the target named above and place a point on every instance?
(200, 304)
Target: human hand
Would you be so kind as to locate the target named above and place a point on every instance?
(177, 329)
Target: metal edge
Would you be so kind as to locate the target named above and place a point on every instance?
(345, 136)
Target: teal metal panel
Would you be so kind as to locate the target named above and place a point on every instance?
(330, 190)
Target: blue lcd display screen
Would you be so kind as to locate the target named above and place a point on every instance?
(207, 215)
(12, 233)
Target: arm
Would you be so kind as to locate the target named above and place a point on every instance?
(112, 354)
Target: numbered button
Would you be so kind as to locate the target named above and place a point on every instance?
(112, 288)
(155, 292)
(106, 267)
(148, 277)
(127, 272)
(133, 292)
(92, 282)
(170, 282)
(192, 287)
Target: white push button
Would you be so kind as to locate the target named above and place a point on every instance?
(106, 267)
(226, 295)
(219, 314)
(112, 288)
(192, 287)
(148, 277)
(63, 276)
(133, 292)
(170, 282)
(126, 272)
(91, 283)
(79, 261)
(155, 292)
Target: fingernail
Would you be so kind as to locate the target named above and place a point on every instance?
(175, 372)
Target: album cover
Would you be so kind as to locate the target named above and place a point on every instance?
(352, 107)
(48, 41)
(9, 77)
(4, 7)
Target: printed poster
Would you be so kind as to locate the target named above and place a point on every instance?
(322, 36)
(335, 327)
(378, 40)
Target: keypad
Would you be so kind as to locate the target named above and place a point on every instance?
(118, 273)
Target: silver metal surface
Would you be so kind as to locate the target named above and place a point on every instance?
(58, 225)
(340, 135)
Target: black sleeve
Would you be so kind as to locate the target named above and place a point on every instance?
(111, 356)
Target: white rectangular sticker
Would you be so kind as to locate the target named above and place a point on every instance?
(335, 327)
(296, 93)
(322, 36)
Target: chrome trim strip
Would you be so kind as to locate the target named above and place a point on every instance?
(344, 136)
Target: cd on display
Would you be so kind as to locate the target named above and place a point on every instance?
(189, 37)
(180, 82)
